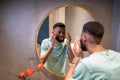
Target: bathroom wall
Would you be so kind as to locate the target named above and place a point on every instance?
(19, 23)
(115, 38)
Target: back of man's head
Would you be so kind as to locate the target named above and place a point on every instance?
(95, 29)
(59, 24)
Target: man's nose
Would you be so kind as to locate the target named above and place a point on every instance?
(61, 34)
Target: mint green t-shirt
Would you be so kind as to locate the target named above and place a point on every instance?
(56, 62)
(104, 65)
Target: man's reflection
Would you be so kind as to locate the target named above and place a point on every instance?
(55, 49)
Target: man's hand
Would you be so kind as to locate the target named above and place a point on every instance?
(68, 43)
(53, 40)
(68, 40)
(77, 48)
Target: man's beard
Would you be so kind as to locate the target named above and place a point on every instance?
(57, 38)
(83, 47)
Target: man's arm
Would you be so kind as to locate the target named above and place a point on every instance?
(44, 57)
(70, 53)
(76, 51)
(72, 67)
(49, 50)
(78, 54)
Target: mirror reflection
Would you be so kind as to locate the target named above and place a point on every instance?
(54, 44)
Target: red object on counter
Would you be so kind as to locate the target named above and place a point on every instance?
(39, 67)
(29, 71)
(21, 75)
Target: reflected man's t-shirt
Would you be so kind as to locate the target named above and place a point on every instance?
(56, 62)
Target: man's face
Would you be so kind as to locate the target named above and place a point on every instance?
(60, 33)
(83, 46)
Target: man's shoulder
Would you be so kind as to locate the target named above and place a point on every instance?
(92, 59)
(46, 40)
(101, 58)
(113, 51)
(99, 55)
(87, 59)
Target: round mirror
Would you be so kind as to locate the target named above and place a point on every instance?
(74, 18)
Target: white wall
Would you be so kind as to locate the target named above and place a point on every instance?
(19, 23)
(76, 17)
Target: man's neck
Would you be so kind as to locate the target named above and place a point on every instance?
(95, 48)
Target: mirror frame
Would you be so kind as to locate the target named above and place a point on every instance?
(39, 27)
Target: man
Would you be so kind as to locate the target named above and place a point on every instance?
(55, 49)
(101, 64)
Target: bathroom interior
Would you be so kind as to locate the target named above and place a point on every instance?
(25, 23)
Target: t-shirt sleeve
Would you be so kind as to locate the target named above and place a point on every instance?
(44, 47)
(81, 72)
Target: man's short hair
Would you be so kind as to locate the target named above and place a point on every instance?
(95, 29)
(59, 24)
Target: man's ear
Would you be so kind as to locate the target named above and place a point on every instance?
(84, 38)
